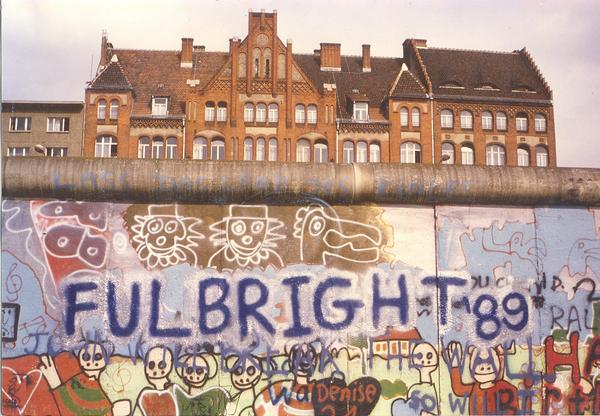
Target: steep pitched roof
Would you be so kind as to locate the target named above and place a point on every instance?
(112, 77)
(483, 74)
(407, 85)
(375, 84)
(159, 73)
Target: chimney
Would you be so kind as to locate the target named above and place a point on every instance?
(186, 52)
(330, 57)
(104, 46)
(366, 58)
(420, 43)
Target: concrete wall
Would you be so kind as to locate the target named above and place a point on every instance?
(300, 306)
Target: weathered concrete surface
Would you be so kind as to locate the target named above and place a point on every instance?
(231, 182)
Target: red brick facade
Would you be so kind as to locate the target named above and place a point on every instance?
(259, 101)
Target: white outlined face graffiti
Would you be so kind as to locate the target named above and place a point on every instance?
(164, 238)
(248, 237)
(343, 239)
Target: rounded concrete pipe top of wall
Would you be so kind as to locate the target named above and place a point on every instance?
(191, 181)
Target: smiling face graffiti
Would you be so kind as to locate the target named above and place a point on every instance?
(245, 374)
(164, 238)
(158, 364)
(92, 358)
(248, 237)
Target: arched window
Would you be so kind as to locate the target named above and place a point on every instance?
(300, 113)
(321, 154)
(522, 156)
(495, 155)
(311, 114)
(273, 149)
(200, 150)
(217, 149)
(143, 147)
(248, 149)
(209, 111)
(361, 152)
(172, 148)
(249, 112)
(101, 109)
(302, 151)
(521, 121)
(487, 120)
(267, 62)
(447, 119)
(106, 146)
(541, 156)
(348, 151)
(410, 152)
(447, 153)
(256, 60)
(404, 117)
(261, 113)
(260, 149)
(222, 111)
(467, 155)
(466, 120)
(114, 109)
(501, 123)
(158, 147)
(416, 117)
(273, 113)
(374, 153)
(540, 123)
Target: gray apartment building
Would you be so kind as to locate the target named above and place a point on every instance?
(54, 127)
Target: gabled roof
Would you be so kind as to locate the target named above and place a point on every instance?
(159, 73)
(111, 77)
(505, 73)
(392, 334)
(375, 84)
(407, 85)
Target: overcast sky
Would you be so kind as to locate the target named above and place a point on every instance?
(49, 48)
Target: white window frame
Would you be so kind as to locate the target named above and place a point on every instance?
(541, 157)
(303, 151)
(448, 149)
(495, 155)
(447, 119)
(248, 148)
(260, 149)
(540, 123)
(171, 148)
(487, 120)
(360, 111)
(14, 123)
(300, 114)
(261, 113)
(57, 125)
(222, 111)
(374, 153)
(348, 151)
(217, 148)
(467, 155)
(105, 146)
(501, 121)
(273, 149)
(209, 111)
(416, 117)
(101, 113)
(273, 113)
(113, 109)
(404, 117)
(158, 148)
(521, 123)
(17, 151)
(522, 156)
(466, 120)
(361, 152)
(160, 106)
(410, 152)
(57, 151)
(321, 154)
(248, 113)
(144, 147)
(311, 114)
(200, 148)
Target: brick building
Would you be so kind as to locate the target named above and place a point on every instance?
(57, 126)
(261, 101)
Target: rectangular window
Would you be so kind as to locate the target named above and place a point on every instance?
(261, 114)
(209, 113)
(17, 151)
(361, 111)
(486, 121)
(57, 151)
(221, 113)
(159, 106)
(20, 124)
(58, 124)
(521, 124)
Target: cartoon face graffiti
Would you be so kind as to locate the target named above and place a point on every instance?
(197, 369)
(158, 363)
(424, 356)
(484, 364)
(247, 235)
(92, 357)
(303, 360)
(163, 238)
(245, 374)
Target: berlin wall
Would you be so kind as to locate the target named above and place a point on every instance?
(159, 288)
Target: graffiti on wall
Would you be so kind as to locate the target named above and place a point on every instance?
(300, 309)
